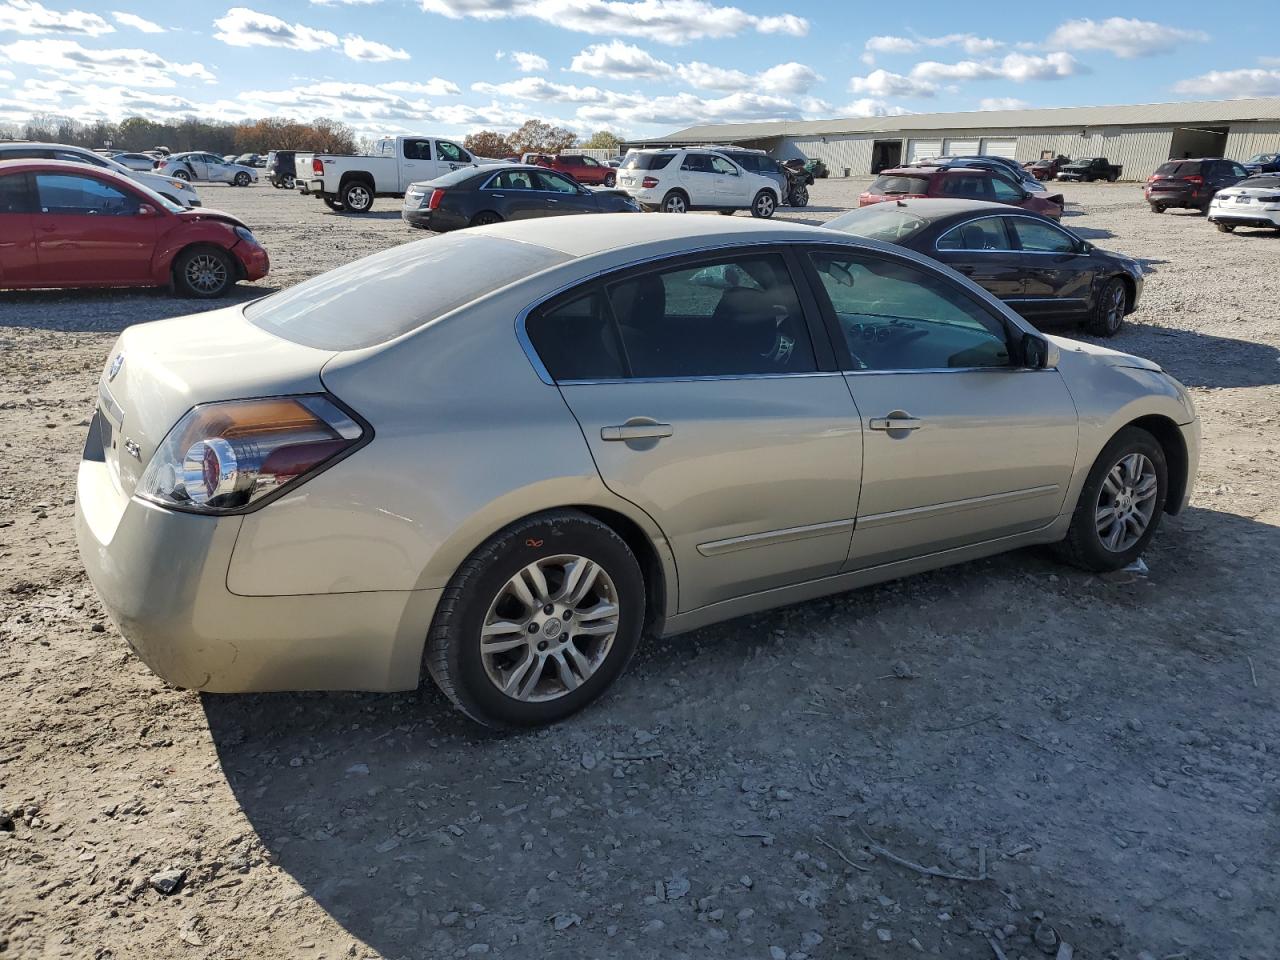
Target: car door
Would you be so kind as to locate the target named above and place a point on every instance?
(982, 249)
(704, 401)
(417, 163)
(731, 184)
(19, 265)
(698, 180)
(198, 163)
(90, 231)
(450, 156)
(561, 196)
(1059, 273)
(513, 195)
(962, 444)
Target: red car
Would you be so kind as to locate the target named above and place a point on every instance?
(67, 225)
(582, 168)
(969, 183)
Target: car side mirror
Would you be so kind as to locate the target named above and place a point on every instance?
(147, 210)
(1037, 352)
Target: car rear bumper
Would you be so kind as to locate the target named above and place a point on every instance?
(1238, 218)
(162, 577)
(309, 187)
(1178, 196)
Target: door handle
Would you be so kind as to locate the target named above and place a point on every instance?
(637, 430)
(895, 421)
(552, 200)
(498, 196)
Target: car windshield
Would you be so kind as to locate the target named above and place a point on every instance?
(881, 221)
(897, 184)
(1267, 181)
(1263, 158)
(646, 161)
(411, 285)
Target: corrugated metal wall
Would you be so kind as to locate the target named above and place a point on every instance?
(1138, 149)
(1246, 139)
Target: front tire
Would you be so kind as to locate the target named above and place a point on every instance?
(800, 196)
(357, 196)
(241, 179)
(496, 651)
(203, 273)
(1109, 310)
(610, 179)
(1120, 505)
(1157, 208)
(1225, 227)
(675, 202)
(764, 205)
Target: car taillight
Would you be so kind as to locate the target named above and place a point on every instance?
(317, 166)
(1196, 179)
(437, 197)
(223, 457)
(649, 182)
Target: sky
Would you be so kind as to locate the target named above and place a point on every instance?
(637, 67)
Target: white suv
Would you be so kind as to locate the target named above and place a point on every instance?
(676, 181)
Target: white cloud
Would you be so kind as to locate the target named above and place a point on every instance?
(882, 83)
(871, 107)
(619, 59)
(970, 43)
(1002, 103)
(370, 51)
(1269, 61)
(29, 18)
(1018, 67)
(1123, 36)
(1233, 84)
(540, 88)
(7, 75)
(665, 21)
(242, 27)
(344, 3)
(131, 67)
(138, 23)
(435, 87)
(525, 62)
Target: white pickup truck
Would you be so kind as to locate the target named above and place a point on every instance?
(351, 183)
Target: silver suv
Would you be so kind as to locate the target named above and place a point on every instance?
(696, 178)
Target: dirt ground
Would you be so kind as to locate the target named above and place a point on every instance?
(1104, 751)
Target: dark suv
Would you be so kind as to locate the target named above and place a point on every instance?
(1191, 183)
(280, 169)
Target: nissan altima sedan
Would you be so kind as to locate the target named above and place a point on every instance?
(507, 453)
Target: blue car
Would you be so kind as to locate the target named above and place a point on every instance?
(1263, 163)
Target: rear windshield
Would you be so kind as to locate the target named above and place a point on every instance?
(1178, 168)
(390, 293)
(880, 221)
(1267, 181)
(889, 186)
(646, 161)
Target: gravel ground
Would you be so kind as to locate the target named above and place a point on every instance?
(1095, 756)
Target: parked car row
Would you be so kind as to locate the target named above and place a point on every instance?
(968, 181)
(174, 189)
(198, 166)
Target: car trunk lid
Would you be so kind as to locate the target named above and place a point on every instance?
(156, 372)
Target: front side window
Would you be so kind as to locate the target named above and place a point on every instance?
(554, 183)
(1040, 237)
(589, 161)
(1003, 191)
(91, 159)
(985, 234)
(721, 165)
(14, 197)
(737, 316)
(68, 194)
(452, 152)
(899, 317)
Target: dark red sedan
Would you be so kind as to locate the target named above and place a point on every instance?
(67, 225)
(967, 183)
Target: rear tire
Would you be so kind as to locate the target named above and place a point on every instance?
(486, 592)
(332, 204)
(800, 196)
(357, 196)
(1157, 208)
(1225, 227)
(182, 175)
(1109, 484)
(675, 202)
(764, 205)
(289, 183)
(485, 218)
(1109, 310)
(203, 273)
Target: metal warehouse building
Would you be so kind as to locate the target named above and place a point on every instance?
(1139, 136)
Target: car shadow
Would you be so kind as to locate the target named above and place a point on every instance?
(421, 834)
(1092, 233)
(371, 215)
(109, 311)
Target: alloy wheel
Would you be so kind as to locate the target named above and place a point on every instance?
(550, 628)
(675, 204)
(358, 198)
(764, 205)
(1126, 502)
(1115, 307)
(206, 273)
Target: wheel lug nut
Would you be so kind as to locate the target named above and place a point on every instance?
(548, 609)
(533, 628)
(568, 615)
(542, 645)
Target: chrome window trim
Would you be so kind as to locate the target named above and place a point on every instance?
(918, 370)
(690, 378)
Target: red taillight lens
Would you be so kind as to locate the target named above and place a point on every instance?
(437, 197)
(221, 457)
(317, 166)
(649, 182)
(1197, 180)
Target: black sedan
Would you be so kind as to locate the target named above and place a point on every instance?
(1040, 269)
(470, 197)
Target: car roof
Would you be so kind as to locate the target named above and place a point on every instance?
(588, 235)
(936, 208)
(61, 166)
(40, 145)
(928, 171)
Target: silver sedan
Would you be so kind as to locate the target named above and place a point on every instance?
(506, 454)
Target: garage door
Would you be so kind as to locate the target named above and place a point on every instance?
(961, 148)
(1000, 147)
(923, 150)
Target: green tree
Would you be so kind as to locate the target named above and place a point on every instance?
(603, 140)
(535, 136)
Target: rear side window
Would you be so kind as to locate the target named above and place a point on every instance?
(647, 161)
(965, 185)
(889, 186)
(410, 285)
(417, 149)
(737, 316)
(14, 196)
(577, 340)
(986, 234)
